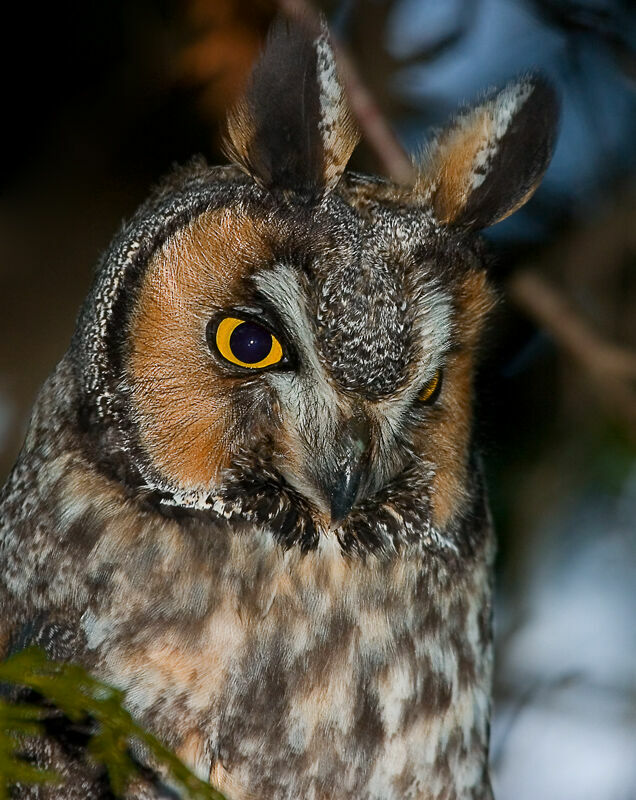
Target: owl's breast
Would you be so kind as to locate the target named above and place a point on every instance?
(276, 672)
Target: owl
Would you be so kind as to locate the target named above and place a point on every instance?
(249, 495)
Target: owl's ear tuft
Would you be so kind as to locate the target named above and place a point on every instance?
(490, 160)
(292, 130)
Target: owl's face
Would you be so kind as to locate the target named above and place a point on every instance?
(327, 349)
(296, 347)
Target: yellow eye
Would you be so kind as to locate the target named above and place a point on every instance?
(431, 390)
(247, 343)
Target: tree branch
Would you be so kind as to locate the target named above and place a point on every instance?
(612, 369)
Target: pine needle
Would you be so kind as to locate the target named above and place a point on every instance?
(79, 696)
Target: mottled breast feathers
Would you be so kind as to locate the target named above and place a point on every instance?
(250, 495)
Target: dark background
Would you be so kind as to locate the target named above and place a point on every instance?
(99, 100)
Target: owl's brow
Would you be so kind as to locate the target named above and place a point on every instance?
(261, 306)
(278, 288)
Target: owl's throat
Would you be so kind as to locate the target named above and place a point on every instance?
(392, 520)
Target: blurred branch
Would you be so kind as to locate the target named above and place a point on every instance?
(610, 367)
(465, 17)
(519, 700)
(375, 128)
(597, 22)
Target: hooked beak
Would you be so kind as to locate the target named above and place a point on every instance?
(342, 484)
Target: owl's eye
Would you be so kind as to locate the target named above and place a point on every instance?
(430, 390)
(247, 344)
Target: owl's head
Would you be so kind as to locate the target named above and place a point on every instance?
(281, 342)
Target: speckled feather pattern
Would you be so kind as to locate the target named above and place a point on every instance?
(291, 669)
(170, 522)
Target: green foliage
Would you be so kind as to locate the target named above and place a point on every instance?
(17, 721)
(69, 688)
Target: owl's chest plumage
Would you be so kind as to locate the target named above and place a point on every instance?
(274, 673)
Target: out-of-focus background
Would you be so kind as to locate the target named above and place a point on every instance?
(100, 99)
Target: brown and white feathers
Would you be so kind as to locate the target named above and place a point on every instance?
(293, 132)
(250, 494)
(490, 160)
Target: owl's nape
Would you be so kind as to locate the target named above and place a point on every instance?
(250, 495)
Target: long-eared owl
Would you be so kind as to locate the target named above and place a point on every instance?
(249, 495)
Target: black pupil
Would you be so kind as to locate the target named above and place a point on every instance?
(250, 342)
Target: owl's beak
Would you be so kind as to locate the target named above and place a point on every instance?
(342, 485)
